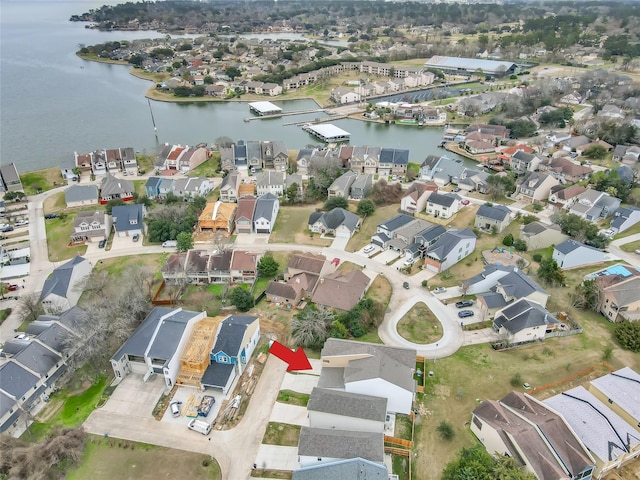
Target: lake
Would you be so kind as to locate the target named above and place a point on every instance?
(55, 103)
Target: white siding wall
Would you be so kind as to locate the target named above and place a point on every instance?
(173, 367)
(467, 246)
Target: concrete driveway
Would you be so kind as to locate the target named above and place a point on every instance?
(135, 397)
(275, 457)
(291, 414)
(299, 383)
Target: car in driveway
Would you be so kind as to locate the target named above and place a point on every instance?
(465, 202)
(8, 228)
(464, 303)
(405, 285)
(439, 290)
(368, 249)
(12, 287)
(136, 237)
(465, 313)
(22, 223)
(102, 243)
(175, 407)
(408, 262)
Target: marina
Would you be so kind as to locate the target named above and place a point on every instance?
(264, 108)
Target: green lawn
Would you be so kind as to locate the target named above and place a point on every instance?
(210, 168)
(282, 434)
(145, 163)
(115, 266)
(420, 325)
(293, 398)
(58, 238)
(292, 227)
(107, 459)
(631, 247)
(41, 180)
(139, 186)
(629, 231)
(4, 313)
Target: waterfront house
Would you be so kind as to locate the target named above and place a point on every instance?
(112, 188)
(361, 186)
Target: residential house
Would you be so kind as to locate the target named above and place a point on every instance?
(370, 369)
(320, 445)
(443, 205)
(275, 155)
(235, 343)
(265, 213)
(611, 112)
(282, 293)
(165, 187)
(341, 187)
(339, 291)
(336, 409)
(499, 131)
(196, 266)
(270, 182)
(624, 218)
(173, 271)
(538, 235)
(62, 289)
(500, 285)
(522, 162)
(344, 95)
(350, 468)
(593, 205)
(564, 197)
(404, 238)
(301, 279)
(524, 321)
(534, 435)
(610, 440)
(398, 158)
(415, 198)
(112, 188)
(441, 170)
(361, 186)
(230, 187)
(535, 187)
(308, 264)
(619, 292)
(192, 187)
(473, 180)
(244, 266)
(449, 249)
(157, 345)
(571, 253)
(424, 240)
(338, 222)
(385, 231)
(303, 159)
(620, 390)
(366, 159)
(151, 187)
(128, 220)
(572, 143)
(505, 153)
(493, 217)
(244, 214)
(34, 367)
(90, 226)
(80, 195)
(629, 152)
(477, 143)
(565, 170)
(9, 178)
(219, 266)
(217, 216)
(271, 89)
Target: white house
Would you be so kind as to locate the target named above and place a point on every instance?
(336, 409)
(570, 254)
(62, 289)
(79, 195)
(625, 217)
(265, 213)
(370, 369)
(415, 198)
(524, 321)
(157, 345)
(449, 249)
(343, 95)
(443, 205)
(270, 182)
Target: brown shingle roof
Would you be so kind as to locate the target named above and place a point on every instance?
(242, 260)
(341, 291)
(307, 262)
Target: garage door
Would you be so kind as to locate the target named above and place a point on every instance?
(263, 230)
(432, 268)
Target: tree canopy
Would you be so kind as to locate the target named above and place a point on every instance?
(241, 298)
(185, 241)
(268, 266)
(475, 463)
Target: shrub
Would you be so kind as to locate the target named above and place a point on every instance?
(516, 380)
(537, 257)
(628, 335)
(508, 240)
(520, 245)
(446, 431)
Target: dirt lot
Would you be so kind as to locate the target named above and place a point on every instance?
(107, 459)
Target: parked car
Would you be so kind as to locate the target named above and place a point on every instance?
(637, 251)
(22, 223)
(170, 244)
(608, 233)
(102, 243)
(175, 408)
(464, 303)
(439, 290)
(8, 228)
(51, 215)
(457, 189)
(408, 262)
(405, 285)
(368, 249)
(465, 202)
(465, 313)
(136, 237)
(12, 287)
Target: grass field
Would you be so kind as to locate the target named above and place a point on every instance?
(107, 459)
(209, 168)
(115, 266)
(292, 227)
(58, 237)
(41, 180)
(54, 203)
(293, 398)
(363, 236)
(631, 247)
(281, 434)
(420, 325)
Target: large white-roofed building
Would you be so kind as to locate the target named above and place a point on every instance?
(468, 66)
(328, 132)
(264, 108)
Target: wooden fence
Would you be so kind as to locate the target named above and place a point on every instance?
(581, 373)
(398, 442)
(156, 301)
(397, 451)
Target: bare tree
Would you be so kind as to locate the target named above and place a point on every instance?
(221, 241)
(29, 307)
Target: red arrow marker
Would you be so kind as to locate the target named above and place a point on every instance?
(297, 360)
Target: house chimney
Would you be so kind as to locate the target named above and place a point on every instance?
(321, 280)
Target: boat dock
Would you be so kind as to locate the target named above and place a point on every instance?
(328, 133)
(316, 121)
(284, 114)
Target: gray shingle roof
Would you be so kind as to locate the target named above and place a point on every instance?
(569, 246)
(623, 387)
(37, 358)
(448, 241)
(58, 283)
(495, 212)
(335, 218)
(351, 469)
(396, 222)
(16, 380)
(231, 333)
(124, 215)
(264, 207)
(325, 443)
(269, 178)
(115, 186)
(523, 314)
(81, 193)
(347, 404)
(446, 200)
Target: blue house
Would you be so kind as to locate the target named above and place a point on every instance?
(152, 187)
(236, 340)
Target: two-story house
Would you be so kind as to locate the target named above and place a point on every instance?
(443, 205)
(265, 213)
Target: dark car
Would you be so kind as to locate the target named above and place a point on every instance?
(51, 215)
(464, 303)
(8, 228)
(136, 237)
(102, 243)
(465, 313)
(406, 285)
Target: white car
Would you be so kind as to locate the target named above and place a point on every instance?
(439, 290)
(409, 261)
(368, 249)
(608, 233)
(22, 223)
